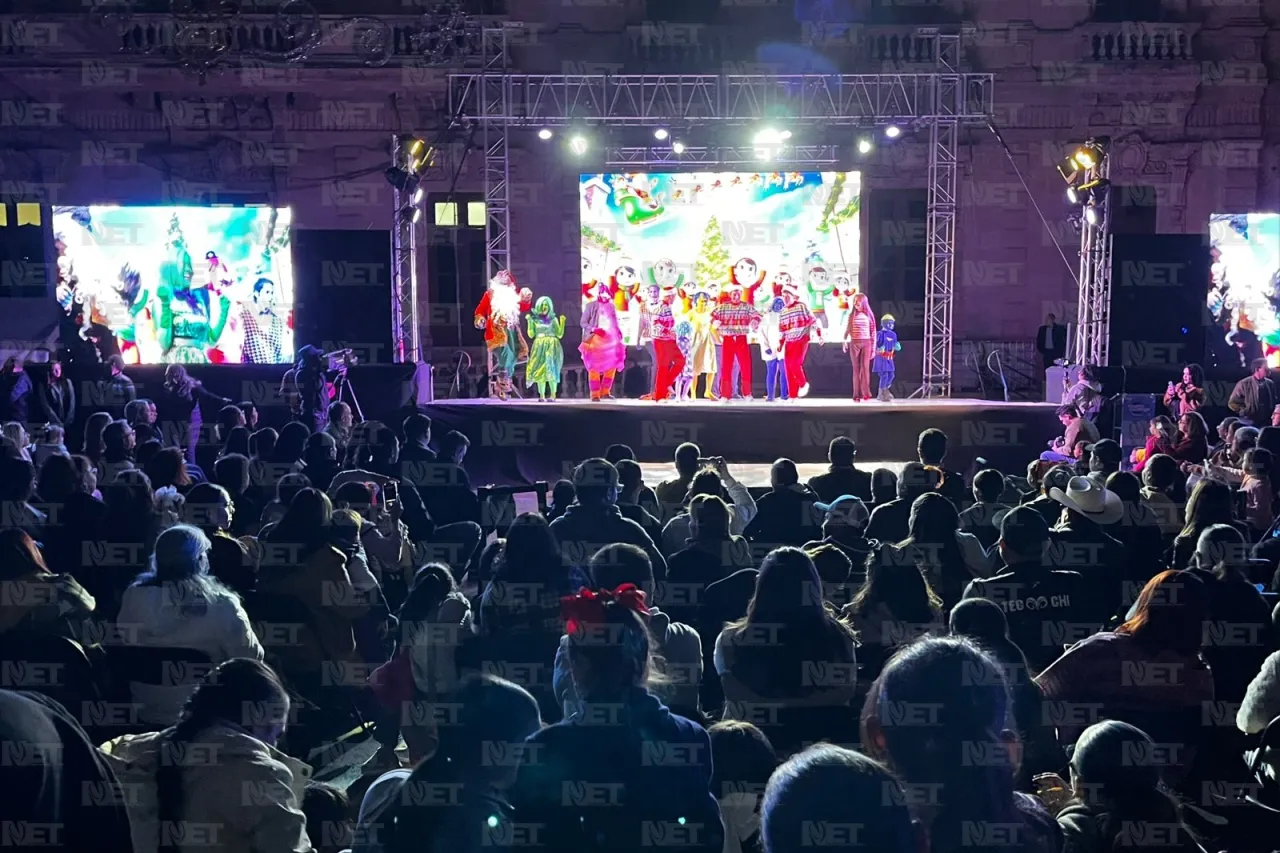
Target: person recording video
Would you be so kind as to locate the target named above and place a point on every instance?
(311, 388)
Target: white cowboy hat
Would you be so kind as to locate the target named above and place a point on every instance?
(1091, 500)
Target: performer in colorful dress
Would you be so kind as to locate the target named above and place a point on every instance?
(769, 337)
(184, 323)
(603, 353)
(682, 388)
(735, 320)
(499, 315)
(668, 360)
(882, 366)
(859, 341)
(546, 355)
(795, 323)
(702, 343)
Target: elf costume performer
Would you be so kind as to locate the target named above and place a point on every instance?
(186, 324)
(669, 361)
(546, 354)
(795, 323)
(702, 343)
(499, 315)
(817, 291)
(735, 320)
(602, 351)
(882, 365)
(769, 337)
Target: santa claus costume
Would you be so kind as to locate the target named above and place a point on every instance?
(499, 315)
(735, 320)
(603, 353)
(669, 360)
(796, 322)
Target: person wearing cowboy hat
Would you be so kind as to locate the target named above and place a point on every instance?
(1079, 541)
(1035, 596)
(796, 322)
(735, 320)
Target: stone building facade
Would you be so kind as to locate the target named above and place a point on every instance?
(96, 109)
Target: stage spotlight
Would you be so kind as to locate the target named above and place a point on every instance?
(1091, 215)
(578, 144)
(401, 180)
(677, 147)
(415, 148)
(786, 134)
(893, 131)
(417, 215)
(1073, 195)
(769, 136)
(864, 146)
(545, 134)
(419, 195)
(660, 134)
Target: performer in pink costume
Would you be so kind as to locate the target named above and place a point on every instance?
(603, 353)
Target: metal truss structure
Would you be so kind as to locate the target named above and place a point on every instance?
(798, 155)
(404, 269)
(1093, 311)
(948, 110)
(945, 100)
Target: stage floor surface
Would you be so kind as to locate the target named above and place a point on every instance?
(524, 440)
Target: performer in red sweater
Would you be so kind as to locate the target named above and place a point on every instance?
(734, 320)
(795, 323)
(670, 361)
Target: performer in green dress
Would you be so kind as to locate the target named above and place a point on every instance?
(546, 354)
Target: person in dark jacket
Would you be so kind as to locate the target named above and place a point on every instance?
(980, 519)
(785, 515)
(624, 774)
(889, 521)
(60, 794)
(844, 527)
(713, 553)
(843, 477)
(646, 497)
(55, 396)
(417, 439)
(1045, 608)
(631, 493)
(182, 399)
(931, 449)
(1138, 530)
(593, 520)
(1079, 541)
(444, 484)
(120, 390)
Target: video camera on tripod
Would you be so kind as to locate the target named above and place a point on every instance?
(339, 360)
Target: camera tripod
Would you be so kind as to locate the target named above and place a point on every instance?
(346, 393)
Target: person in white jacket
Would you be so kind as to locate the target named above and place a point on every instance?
(719, 482)
(177, 604)
(215, 782)
(1261, 702)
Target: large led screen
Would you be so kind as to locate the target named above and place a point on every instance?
(706, 230)
(1244, 287)
(178, 285)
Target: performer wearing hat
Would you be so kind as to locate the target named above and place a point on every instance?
(795, 323)
(603, 353)
(882, 365)
(669, 360)
(735, 319)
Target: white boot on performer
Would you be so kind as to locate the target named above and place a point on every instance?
(804, 390)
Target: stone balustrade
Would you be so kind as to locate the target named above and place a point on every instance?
(1136, 41)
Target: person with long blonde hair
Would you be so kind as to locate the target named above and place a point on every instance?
(859, 343)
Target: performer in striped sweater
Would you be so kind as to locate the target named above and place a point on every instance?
(735, 320)
(795, 323)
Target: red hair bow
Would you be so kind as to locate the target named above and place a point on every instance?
(587, 607)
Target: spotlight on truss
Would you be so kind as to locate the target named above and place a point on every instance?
(865, 145)
(892, 131)
(545, 134)
(677, 147)
(578, 144)
(660, 134)
(402, 180)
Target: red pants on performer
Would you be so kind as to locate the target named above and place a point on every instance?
(670, 361)
(735, 349)
(860, 353)
(793, 353)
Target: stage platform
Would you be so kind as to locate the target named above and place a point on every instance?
(523, 441)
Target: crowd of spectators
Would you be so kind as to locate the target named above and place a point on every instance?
(1077, 657)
